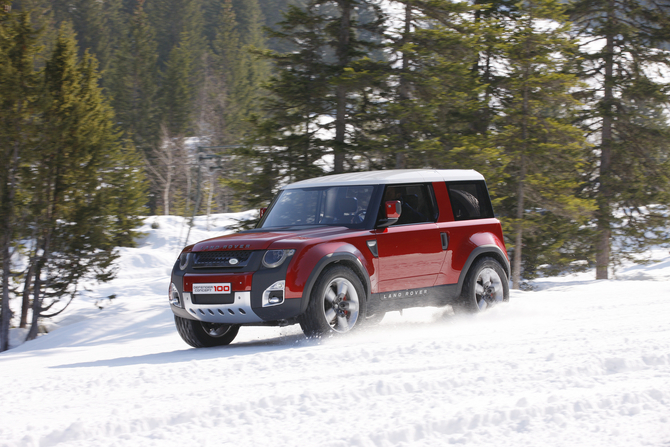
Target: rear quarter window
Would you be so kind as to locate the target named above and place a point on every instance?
(470, 200)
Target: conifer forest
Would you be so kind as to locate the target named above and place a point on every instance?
(111, 110)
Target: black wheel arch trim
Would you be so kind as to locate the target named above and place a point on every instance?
(478, 252)
(330, 259)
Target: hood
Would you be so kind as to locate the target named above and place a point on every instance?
(262, 240)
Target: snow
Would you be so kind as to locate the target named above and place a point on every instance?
(576, 362)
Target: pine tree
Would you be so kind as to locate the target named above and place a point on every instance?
(250, 71)
(432, 93)
(546, 153)
(345, 42)
(179, 90)
(289, 137)
(221, 116)
(171, 18)
(401, 136)
(239, 71)
(227, 94)
(273, 11)
(125, 194)
(626, 119)
(183, 72)
(80, 177)
(133, 83)
(326, 76)
(112, 37)
(97, 25)
(491, 18)
(344, 37)
(285, 144)
(19, 95)
(250, 21)
(42, 19)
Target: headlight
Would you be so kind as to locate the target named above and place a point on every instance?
(183, 260)
(275, 258)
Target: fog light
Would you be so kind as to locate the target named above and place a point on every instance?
(274, 295)
(174, 296)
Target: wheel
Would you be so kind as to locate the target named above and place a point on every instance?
(485, 285)
(205, 335)
(336, 303)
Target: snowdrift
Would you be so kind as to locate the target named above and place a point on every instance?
(576, 362)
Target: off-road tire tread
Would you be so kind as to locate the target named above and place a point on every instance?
(192, 333)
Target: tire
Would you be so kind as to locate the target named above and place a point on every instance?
(465, 205)
(205, 335)
(485, 285)
(336, 305)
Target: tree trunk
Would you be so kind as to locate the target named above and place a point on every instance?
(210, 193)
(518, 242)
(341, 90)
(7, 214)
(37, 305)
(403, 95)
(604, 231)
(518, 247)
(166, 192)
(187, 206)
(25, 304)
(5, 315)
(37, 290)
(340, 128)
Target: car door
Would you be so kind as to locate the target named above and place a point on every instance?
(410, 251)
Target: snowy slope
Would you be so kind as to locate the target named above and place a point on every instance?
(574, 363)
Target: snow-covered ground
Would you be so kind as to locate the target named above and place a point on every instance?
(574, 363)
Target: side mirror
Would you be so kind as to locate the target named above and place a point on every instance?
(393, 210)
(263, 210)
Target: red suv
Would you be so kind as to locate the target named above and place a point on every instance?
(338, 252)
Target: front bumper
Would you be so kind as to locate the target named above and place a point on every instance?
(239, 312)
(247, 303)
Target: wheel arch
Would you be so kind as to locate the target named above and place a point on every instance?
(346, 259)
(483, 251)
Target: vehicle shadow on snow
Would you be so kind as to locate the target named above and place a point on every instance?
(271, 344)
(189, 354)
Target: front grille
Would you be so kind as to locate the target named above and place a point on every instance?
(221, 259)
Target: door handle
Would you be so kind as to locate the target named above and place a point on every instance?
(445, 240)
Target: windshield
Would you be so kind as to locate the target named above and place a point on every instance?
(335, 205)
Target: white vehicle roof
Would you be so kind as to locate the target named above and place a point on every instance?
(395, 176)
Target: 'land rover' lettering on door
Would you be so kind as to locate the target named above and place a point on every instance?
(404, 294)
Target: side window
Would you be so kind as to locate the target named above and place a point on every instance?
(470, 200)
(417, 203)
(345, 205)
